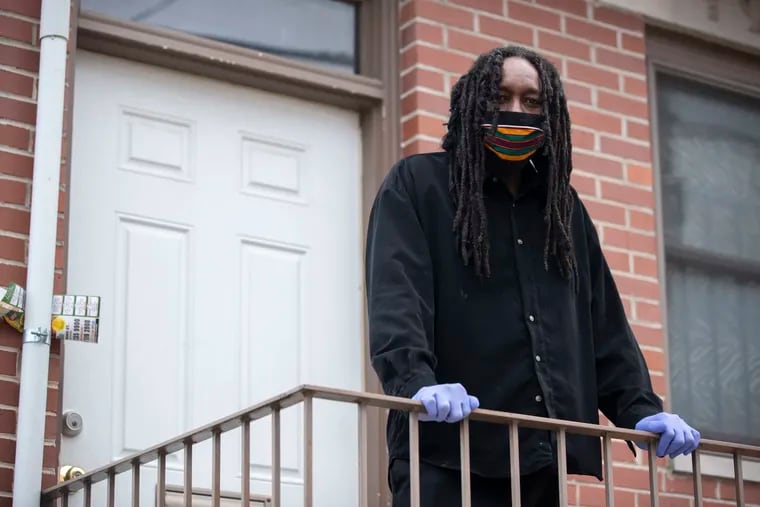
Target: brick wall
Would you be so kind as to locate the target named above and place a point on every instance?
(19, 65)
(601, 55)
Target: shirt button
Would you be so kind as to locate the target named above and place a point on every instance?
(520, 242)
(538, 359)
(539, 398)
(531, 318)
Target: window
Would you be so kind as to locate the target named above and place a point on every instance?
(709, 164)
(322, 32)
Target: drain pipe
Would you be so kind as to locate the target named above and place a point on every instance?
(35, 351)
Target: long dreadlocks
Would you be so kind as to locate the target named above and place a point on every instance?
(475, 100)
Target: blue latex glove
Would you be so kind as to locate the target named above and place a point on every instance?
(676, 437)
(446, 402)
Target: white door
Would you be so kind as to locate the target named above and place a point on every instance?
(221, 227)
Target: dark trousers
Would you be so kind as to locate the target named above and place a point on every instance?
(441, 487)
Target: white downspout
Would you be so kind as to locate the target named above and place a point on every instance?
(35, 352)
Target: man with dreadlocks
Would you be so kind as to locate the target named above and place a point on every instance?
(487, 287)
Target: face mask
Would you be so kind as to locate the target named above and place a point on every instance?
(516, 138)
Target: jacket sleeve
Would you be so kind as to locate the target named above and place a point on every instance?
(623, 383)
(400, 299)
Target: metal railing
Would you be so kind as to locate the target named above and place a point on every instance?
(305, 395)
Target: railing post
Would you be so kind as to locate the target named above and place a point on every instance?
(562, 466)
(276, 457)
(308, 450)
(609, 487)
(136, 483)
(514, 463)
(245, 462)
(414, 459)
(653, 486)
(161, 486)
(464, 460)
(189, 473)
(363, 454)
(216, 469)
(697, 476)
(739, 479)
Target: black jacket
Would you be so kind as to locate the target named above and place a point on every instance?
(525, 340)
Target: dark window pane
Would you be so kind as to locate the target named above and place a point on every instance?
(710, 182)
(315, 31)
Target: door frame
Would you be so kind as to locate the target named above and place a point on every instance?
(374, 92)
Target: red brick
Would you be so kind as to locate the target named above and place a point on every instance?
(59, 257)
(618, 18)
(7, 421)
(597, 165)
(590, 74)
(424, 32)
(667, 500)
(494, 6)
(648, 336)
(435, 57)
(637, 130)
(14, 220)
(19, 58)
(434, 11)
(597, 120)
(14, 164)
(12, 192)
(633, 241)
(622, 104)
(17, 29)
(533, 15)
(50, 456)
(618, 261)
(10, 273)
(17, 84)
(620, 60)
(8, 449)
(423, 124)
(18, 110)
(51, 427)
(603, 212)
(30, 8)
(591, 32)
(15, 137)
(751, 491)
(642, 220)
(564, 45)
(584, 185)
(53, 397)
(577, 92)
(423, 78)
(583, 139)
(421, 146)
(419, 100)
(468, 43)
(54, 369)
(625, 149)
(6, 479)
(640, 175)
(8, 364)
(9, 392)
(577, 7)
(633, 43)
(635, 86)
(655, 359)
(648, 312)
(506, 30)
(594, 496)
(634, 478)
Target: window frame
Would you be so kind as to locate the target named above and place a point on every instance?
(733, 68)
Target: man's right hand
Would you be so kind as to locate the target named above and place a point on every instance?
(446, 403)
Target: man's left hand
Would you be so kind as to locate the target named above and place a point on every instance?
(676, 437)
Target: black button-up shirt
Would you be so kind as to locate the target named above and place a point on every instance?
(525, 340)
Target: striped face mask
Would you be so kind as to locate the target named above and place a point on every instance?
(516, 137)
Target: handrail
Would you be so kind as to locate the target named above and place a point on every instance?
(307, 393)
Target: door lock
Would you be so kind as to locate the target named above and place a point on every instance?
(72, 423)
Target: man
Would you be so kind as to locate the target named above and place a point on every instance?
(487, 287)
